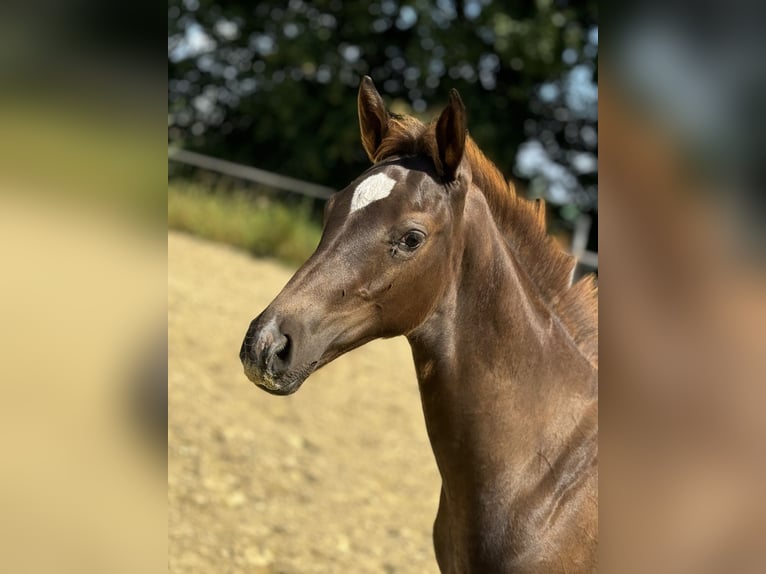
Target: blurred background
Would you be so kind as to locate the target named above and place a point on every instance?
(272, 85)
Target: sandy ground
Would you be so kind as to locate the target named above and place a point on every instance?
(337, 478)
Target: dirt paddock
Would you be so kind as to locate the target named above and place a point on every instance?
(338, 478)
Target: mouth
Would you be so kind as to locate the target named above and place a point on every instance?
(282, 384)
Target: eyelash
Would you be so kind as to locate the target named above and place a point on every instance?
(401, 244)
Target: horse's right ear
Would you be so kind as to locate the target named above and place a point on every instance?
(450, 136)
(373, 117)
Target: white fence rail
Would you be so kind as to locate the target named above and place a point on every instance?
(248, 173)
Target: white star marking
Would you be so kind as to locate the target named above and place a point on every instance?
(372, 189)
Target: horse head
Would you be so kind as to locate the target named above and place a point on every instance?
(386, 253)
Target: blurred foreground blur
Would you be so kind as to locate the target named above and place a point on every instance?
(83, 306)
(683, 313)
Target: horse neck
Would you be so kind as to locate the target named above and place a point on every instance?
(504, 388)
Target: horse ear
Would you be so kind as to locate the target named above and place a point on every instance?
(450, 136)
(373, 117)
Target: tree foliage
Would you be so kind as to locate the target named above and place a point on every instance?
(273, 84)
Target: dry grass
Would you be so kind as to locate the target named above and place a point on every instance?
(259, 225)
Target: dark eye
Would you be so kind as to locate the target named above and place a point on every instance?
(412, 240)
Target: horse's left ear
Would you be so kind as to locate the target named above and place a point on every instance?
(450, 136)
(373, 117)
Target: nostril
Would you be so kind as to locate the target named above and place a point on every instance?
(268, 349)
(283, 353)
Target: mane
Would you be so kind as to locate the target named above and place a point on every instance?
(524, 226)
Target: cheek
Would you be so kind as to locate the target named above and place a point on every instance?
(411, 292)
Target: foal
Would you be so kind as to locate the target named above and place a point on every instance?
(431, 243)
